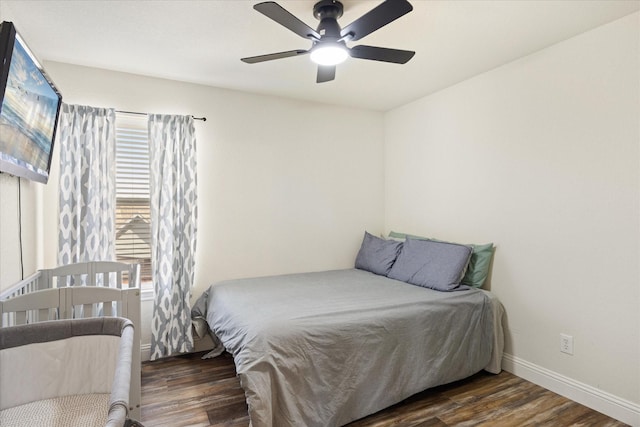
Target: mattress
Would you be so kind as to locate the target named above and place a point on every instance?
(87, 410)
(326, 348)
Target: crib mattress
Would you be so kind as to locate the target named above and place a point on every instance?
(87, 410)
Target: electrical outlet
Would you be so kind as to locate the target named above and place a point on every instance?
(566, 344)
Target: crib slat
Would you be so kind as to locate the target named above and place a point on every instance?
(43, 314)
(107, 309)
(21, 317)
(87, 310)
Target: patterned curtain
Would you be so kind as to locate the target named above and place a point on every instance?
(172, 160)
(87, 185)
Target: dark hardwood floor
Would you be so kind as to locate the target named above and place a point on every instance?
(189, 391)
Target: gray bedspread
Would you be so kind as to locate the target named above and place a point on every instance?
(326, 348)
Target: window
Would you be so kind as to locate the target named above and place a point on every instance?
(133, 211)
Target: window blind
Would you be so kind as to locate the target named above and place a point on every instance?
(133, 212)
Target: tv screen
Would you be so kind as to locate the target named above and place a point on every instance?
(29, 108)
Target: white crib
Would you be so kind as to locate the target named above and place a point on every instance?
(78, 291)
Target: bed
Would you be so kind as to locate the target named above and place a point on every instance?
(67, 332)
(327, 348)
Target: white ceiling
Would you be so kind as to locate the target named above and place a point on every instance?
(203, 41)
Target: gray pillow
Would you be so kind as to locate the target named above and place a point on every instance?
(377, 255)
(479, 264)
(431, 264)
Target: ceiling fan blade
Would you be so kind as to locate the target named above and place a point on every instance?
(396, 56)
(279, 14)
(376, 18)
(272, 56)
(326, 73)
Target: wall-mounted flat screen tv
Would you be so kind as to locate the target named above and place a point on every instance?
(30, 105)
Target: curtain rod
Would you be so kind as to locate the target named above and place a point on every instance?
(204, 119)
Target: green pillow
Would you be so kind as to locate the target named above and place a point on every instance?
(478, 268)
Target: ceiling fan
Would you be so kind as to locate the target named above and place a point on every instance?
(329, 40)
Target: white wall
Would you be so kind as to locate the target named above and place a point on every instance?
(283, 186)
(540, 156)
(18, 229)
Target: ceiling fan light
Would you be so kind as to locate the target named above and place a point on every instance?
(329, 54)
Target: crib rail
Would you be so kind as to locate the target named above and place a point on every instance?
(69, 303)
(32, 307)
(24, 286)
(102, 274)
(97, 273)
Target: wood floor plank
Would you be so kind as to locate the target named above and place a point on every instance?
(412, 412)
(189, 391)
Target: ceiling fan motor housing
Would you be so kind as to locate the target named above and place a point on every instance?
(328, 12)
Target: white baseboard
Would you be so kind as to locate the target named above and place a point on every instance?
(145, 352)
(601, 401)
(204, 344)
